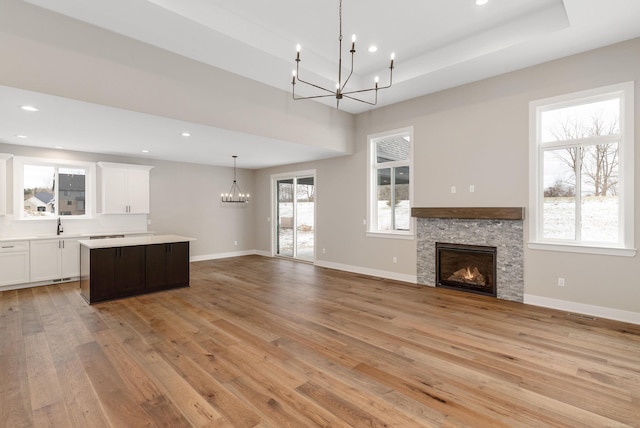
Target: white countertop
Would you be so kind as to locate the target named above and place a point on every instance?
(71, 236)
(134, 240)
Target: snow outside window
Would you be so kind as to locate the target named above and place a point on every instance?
(390, 187)
(582, 171)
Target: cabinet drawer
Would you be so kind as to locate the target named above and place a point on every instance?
(11, 246)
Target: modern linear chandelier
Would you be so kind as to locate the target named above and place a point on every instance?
(340, 92)
(235, 195)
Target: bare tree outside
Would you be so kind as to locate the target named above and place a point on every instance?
(597, 164)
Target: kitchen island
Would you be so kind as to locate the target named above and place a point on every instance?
(113, 268)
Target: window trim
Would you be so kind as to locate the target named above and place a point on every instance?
(19, 163)
(371, 186)
(627, 141)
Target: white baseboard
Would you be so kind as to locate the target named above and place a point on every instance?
(581, 308)
(366, 271)
(204, 257)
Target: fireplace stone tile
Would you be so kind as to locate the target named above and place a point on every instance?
(506, 235)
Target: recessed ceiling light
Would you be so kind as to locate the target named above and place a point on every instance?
(373, 48)
(58, 147)
(21, 136)
(29, 108)
(481, 2)
(186, 134)
(145, 151)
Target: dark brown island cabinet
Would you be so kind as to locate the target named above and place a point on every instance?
(121, 267)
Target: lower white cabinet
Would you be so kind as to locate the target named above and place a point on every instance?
(14, 262)
(54, 259)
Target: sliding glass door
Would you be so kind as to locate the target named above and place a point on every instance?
(295, 215)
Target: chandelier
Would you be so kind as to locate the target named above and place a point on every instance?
(340, 92)
(235, 195)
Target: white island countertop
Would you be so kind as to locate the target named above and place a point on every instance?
(133, 241)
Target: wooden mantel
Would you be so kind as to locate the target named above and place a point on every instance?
(483, 213)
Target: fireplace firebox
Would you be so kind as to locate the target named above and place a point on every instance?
(469, 268)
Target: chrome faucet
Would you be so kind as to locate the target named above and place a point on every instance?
(60, 229)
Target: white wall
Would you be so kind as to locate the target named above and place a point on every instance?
(478, 134)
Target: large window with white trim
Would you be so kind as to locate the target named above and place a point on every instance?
(390, 188)
(582, 171)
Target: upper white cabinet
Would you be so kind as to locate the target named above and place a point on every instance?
(125, 188)
(3, 182)
(54, 259)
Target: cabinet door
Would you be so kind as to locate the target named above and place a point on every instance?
(114, 190)
(130, 270)
(177, 262)
(138, 190)
(70, 258)
(103, 274)
(45, 258)
(167, 265)
(14, 268)
(117, 272)
(3, 182)
(156, 267)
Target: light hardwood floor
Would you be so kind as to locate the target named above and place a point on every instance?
(261, 342)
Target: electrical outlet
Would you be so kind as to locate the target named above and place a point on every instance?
(395, 260)
(235, 242)
(324, 251)
(560, 282)
(453, 189)
(472, 188)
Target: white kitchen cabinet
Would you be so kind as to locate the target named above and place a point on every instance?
(54, 259)
(14, 262)
(125, 188)
(3, 182)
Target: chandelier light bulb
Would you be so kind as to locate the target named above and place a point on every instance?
(393, 56)
(377, 79)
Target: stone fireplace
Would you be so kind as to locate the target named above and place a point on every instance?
(472, 228)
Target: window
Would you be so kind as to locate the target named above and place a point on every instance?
(582, 171)
(390, 187)
(47, 188)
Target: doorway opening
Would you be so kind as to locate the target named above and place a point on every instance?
(295, 216)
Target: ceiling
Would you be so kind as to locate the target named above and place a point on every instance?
(438, 44)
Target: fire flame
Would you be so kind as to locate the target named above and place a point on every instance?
(468, 274)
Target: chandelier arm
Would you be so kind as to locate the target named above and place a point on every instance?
(361, 100)
(314, 85)
(360, 90)
(315, 96)
(350, 73)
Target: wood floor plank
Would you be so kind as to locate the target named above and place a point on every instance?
(15, 402)
(268, 342)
